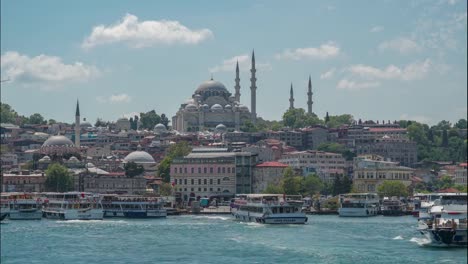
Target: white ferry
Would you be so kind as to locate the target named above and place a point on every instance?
(71, 206)
(448, 224)
(422, 203)
(132, 206)
(23, 206)
(359, 204)
(268, 209)
(4, 208)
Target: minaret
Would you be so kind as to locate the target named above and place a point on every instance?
(309, 98)
(291, 98)
(253, 90)
(77, 125)
(237, 87)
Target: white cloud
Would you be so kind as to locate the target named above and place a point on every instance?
(44, 69)
(325, 51)
(376, 29)
(417, 118)
(401, 45)
(345, 84)
(229, 65)
(139, 34)
(328, 74)
(413, 71)
(115, 98)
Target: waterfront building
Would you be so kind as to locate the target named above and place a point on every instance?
(23, 181)
(370, 171)
(207, 172)
(95, 180)
(398, 149)
(326, 165)
(267, 173)
(461, 174)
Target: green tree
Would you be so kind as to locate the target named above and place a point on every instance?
(461, 124)
(100, 123)
(392, 188)
(273, 189)
(8, 115)
(165, 189)
(291, 183)
(340, 120)
(164, 120)
(444, 138)
(58, 179)
(177, 150)
(36, 119)
(444, 182)
(332, 147)
(311, 185)
(132, 169)
(297, 118)
(51, 122)
(149, 119)
(248, 126)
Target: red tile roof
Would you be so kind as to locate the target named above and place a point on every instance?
(272, 164)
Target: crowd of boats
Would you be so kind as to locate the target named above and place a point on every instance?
(442, 217)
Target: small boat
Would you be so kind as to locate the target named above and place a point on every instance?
(359, 204)
(447, 226)
(392, 207)
(268, 209)
(23, 206)
(71, 206)
(132, 206)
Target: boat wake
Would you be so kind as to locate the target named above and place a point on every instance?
(214, 217)
(420, 241)
(398, 238)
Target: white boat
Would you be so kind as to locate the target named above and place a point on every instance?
(4, 208)
(448, 224)
(23, 206)
(422, 203)
(132, 206)
(71, 206)
(268, 209)
(359, 204)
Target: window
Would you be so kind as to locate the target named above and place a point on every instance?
(191, 170)
(204, 181)
(199, 189)
(211, 170)
(219, 170)
(211, 181)
(219, 181)
(211, 189)
(204, 189)
(219, 189)
(229, 170)
(199, 181)
(204, 170)
(185, 181)
(192, 182)
(199, 170)
(224, 170)
(185, 170)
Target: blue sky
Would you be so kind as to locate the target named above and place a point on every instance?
(373, 59)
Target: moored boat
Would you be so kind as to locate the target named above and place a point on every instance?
(72, 206)
(23, 206)
(132, 206)
(359, 204)
(268, 209)
(4, 207)
(392, 207)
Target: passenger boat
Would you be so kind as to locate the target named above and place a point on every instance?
(392, 207)
(4, 207)
(268, 209)
(422, 202)
(23, 206)
(448, 224)
(71, 206)
(359, 204)
(132, 206)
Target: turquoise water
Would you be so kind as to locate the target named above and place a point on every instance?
(219, 239)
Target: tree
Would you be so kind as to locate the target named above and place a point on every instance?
(149, 119)
(311, 185)
(273, 189)
(8, 115)
(297, 118)
(100, 123)
(248, 126)
(164, 120)
(331, 147)
(165, 189)
(392, 188)
(177, 150)
(51, 122)
(132, 169)
(461, 124)
(291, 183)
(444, 138)
(444, 182)
(340, 120)
(327, 118)
(58, 179)
(36, 119)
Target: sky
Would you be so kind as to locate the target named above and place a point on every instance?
(379, 60)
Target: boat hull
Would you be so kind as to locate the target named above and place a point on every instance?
(271, 219)
(136, 214)
(3, 216)
(447, 237)
(357, 212)
(28, 215)
(91, 214)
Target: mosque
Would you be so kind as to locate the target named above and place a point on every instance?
(212, 104)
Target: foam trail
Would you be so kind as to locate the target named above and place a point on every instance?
(398, 238)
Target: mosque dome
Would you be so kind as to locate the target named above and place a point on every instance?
(243, 108)
(221, 128)
(85, 125)
(228, 107)
(73, 159)
(58, 141)
(205, 106)
(191, 107)
(159, 128)
(139, 157)
(211, 85)
(217, 107)
(189, 101)
(45, 159)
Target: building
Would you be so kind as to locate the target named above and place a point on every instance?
(460, 174)
(122, 124)
(291, 138)
(9, 160)
(314, 136)
(209, 172)
(212, 104)
(96, 180)
(326, 165)
(24, 181)
(370, 171)
(142, 158)
(398, 149)
(267, 173)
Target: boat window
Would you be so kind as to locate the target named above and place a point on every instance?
(281, 210)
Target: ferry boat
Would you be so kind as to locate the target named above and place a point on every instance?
(4, 207)
(23, 206)
(359, 204)
(132, 206)
(422, 203)
(448, 224)
(392, 207)
(71, 206)
(268, 209)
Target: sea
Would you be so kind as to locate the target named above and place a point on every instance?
(220, 239)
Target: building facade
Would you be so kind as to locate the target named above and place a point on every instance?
(267, 173)
(461, 174)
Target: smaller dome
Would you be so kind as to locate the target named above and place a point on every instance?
(159, 128)
(216, 107)
(191, 107)
(189, 101)
(85, 125)
(90, 165)
(205, 106)
(243, 108)
(228, 106)
(45, 159)
(221, 128)
(73, 159)
(139, 157)
(58, 141)
(122, 119)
